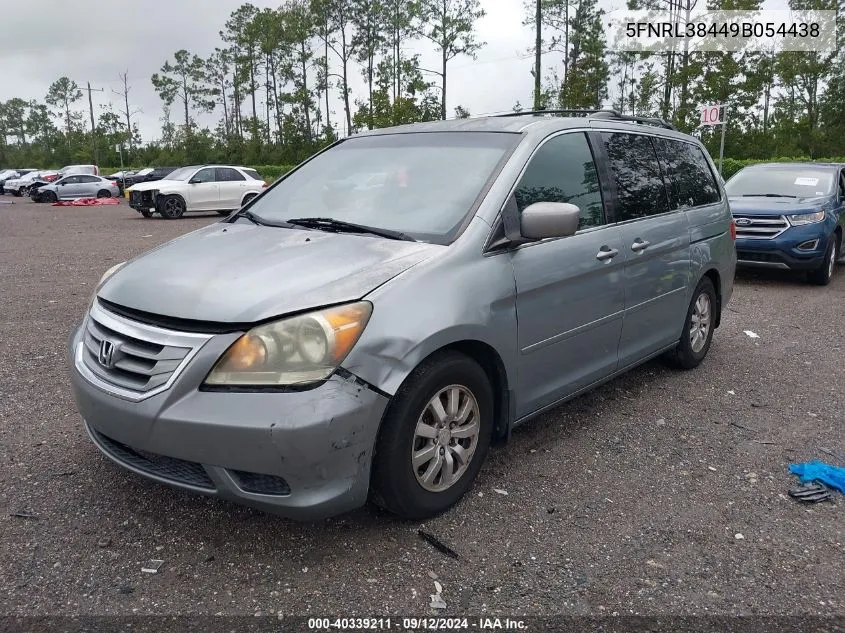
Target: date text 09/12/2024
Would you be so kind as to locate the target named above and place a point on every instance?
(416, 624)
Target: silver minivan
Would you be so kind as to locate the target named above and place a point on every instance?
(375, 320)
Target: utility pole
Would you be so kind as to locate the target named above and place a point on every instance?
(538, 56)
(94, 150)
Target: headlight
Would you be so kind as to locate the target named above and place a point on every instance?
(806, 218)
(294, 351)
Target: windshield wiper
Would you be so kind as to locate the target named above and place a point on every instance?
(330, 224)
(256, 219)
(767, 195)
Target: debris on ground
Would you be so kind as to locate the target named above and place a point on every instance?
(811, 493)
(152, 566)
(739, 536)
(126, 589)
(499, 491)
(24, 515)
(438, 544)
(713, 468)
(432, 575)
(833, 453)
(732, 392)
(816, 471)
(751, 334)
(209, 558)
(104, 542)
(437, 601)
(86, 202)
(742, 426)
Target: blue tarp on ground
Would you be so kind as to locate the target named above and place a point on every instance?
(831, 476)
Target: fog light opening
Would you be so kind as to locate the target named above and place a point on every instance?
(809, 245)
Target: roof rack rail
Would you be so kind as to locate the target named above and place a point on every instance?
(584, 111)
(599, 113)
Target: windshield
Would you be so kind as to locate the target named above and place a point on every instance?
(182, 173)
(421, 184)
(793, 182)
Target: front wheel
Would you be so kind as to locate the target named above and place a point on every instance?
(822, 275)
(698, 328)
(47, 196)
(434, 437)
(172, 207)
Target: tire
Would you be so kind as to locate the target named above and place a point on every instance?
(48, 197)
(103, 193)
(18, 193)
(822, 275)
(396, 485)
(146, 213)
(692, 348)
(171, 208)
(223, 212)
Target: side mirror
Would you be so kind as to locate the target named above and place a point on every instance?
(549, 219)
(194, 181)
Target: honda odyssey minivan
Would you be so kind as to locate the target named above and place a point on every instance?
(370, 324)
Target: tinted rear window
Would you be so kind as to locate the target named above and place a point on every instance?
(689, 180)
(639, 182)
(252, 174)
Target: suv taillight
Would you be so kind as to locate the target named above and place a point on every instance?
(733, 230)
(114, 183)
(263, 184)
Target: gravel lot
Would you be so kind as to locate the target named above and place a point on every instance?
(660, 493)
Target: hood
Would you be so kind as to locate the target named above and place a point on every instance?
(243, 273)
(761, 205)
(155, 184)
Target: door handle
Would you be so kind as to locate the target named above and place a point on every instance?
(606, 253)
(640, 245)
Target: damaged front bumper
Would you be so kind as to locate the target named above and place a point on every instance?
(304, 454)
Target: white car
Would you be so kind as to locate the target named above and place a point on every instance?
(221, 188)
(17, 186)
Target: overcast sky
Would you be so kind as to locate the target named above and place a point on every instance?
(92, 41)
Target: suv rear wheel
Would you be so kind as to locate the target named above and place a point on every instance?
(822, 275)
(434, 437)
(698, 328)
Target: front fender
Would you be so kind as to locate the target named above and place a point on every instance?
(459, 297)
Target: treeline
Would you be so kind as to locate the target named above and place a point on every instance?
(278, 75)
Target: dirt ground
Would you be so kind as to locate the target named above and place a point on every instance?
(659, 493)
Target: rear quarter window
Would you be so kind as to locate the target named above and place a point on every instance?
(252, 174)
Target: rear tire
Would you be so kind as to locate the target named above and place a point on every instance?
(414, 424)
(822, 275)
(698, 328)
(102, 193)
(172, 207)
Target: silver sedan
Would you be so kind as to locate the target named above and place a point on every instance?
(77, 186)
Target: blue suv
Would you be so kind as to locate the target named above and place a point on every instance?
(789, 216)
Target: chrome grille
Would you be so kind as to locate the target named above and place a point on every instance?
(143, 360)
(760, 227)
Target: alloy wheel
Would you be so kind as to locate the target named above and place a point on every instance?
(700, 322)
(445, 438)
